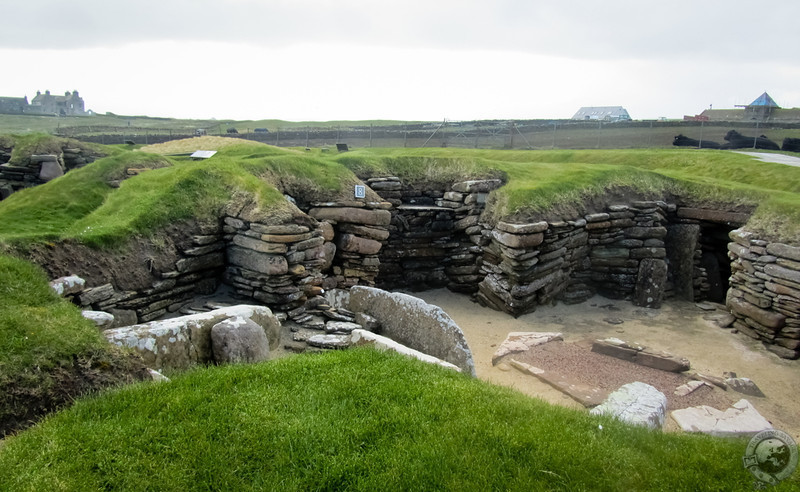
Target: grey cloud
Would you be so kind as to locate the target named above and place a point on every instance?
(613, 29)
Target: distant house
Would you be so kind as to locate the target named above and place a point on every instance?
(602, 113)
(70, 104)
(13, 105)
(762, 109)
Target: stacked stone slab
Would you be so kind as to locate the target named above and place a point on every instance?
(278, 265)
(628, 251)
(620, 253)
(468, 201)
(511, 264)
(434, 235)
(764, 292)
(420, 238)
(360, 230)
(196, 272)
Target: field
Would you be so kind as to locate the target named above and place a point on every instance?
(489, 134)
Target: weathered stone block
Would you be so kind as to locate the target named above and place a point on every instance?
(518, 241)
(95, 294)
(50, 170)
(181, 342)
(239, 340)
(259, 245)
(639, 253)
(69, 285)
(416, 324)
(650, 283)
(376, 233)
(767, 318)
(640, 355)
(257, 262)
(355, 244)
(784, 251)
(528, 228)
(635, 403)
(720, 216)
(352, 215)
(742, 419)
(645, 232)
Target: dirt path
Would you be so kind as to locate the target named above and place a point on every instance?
(677, 328)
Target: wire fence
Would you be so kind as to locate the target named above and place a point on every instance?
(516, 134)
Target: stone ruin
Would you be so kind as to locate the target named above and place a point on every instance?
(39, 168)
(420, 236)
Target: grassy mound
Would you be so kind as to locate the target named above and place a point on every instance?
(49, 354)
(40, 143)
(84, 204)
(562, 183)
(542, 184)
(189, 145)
(360, 420)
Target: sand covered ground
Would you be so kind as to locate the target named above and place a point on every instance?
(678, 328)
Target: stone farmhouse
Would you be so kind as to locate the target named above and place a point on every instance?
(70, 104)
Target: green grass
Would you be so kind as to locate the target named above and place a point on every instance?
(558, 183)
(39, 329)
(49, 353)
(83, 206)
(351, 420)
(106, 123)
(41, 143)
(545, 184)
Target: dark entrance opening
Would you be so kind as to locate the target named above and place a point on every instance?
(714, 259)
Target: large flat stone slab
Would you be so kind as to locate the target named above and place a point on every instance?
(522, 341)
(635, 403)
(415, 323)
(588, 396)
(364, 337)
(741, 420)
(639, 354)
(178, 343)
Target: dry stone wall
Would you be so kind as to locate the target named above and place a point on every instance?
(644, 251)
(619, 253)
(196, 272)
(275, 264)
(435, 238)
(765, 292)
(359, 230)
(37, 169)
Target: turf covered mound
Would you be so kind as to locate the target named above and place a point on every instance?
(355, 420)
(49, 353)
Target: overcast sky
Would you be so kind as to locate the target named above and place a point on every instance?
(412, 59)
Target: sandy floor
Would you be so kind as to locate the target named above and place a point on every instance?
(677, 328)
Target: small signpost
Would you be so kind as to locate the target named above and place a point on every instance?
(360, 191)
